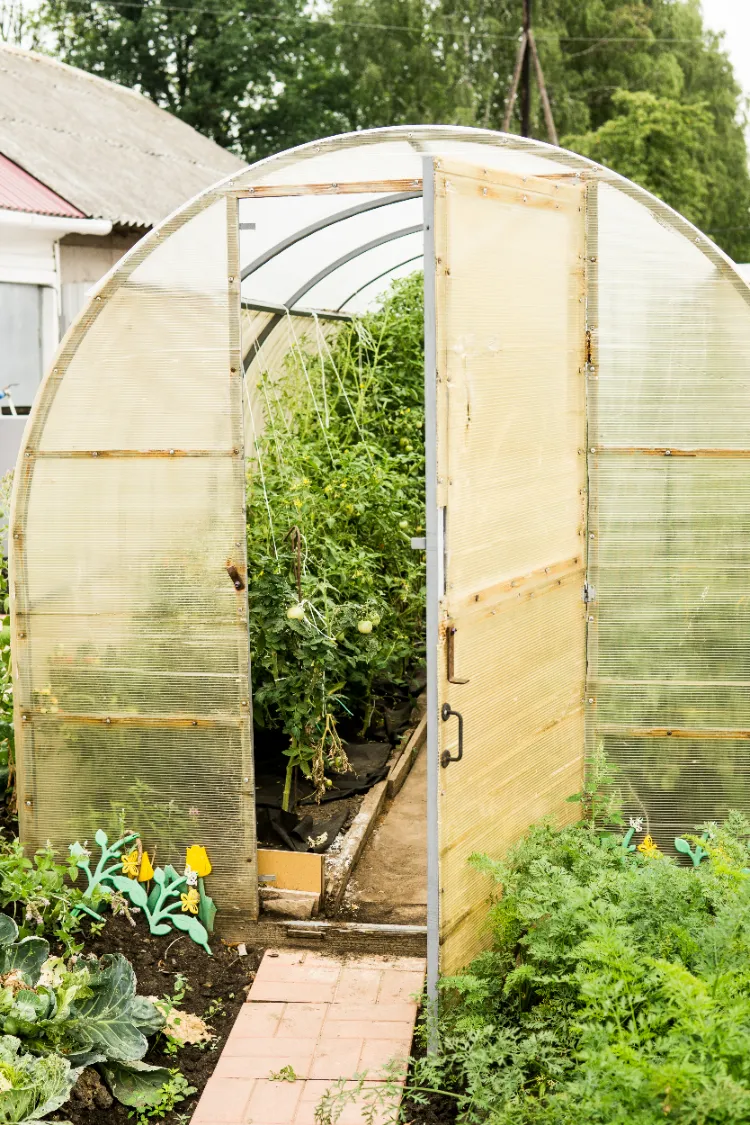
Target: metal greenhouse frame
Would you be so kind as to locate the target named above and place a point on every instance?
(588, 502)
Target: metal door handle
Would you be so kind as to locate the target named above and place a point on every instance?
(447, 712)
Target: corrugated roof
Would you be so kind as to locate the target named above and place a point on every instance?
(106, 149)
(21, 192)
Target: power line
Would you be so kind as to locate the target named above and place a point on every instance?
(458, 30)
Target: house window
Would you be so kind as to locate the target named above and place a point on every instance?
(24, 339)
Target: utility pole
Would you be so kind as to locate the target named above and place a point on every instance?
(526, 72)
(527, 53)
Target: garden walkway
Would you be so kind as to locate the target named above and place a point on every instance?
(311, 1019)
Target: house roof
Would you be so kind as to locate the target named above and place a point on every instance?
(21, 192)
(107, 150)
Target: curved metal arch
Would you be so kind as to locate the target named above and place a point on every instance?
(379, 276)
(350, 255)
(323, 224)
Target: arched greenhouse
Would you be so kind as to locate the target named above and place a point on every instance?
(587, 397)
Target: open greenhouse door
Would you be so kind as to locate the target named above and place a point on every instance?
(505, 355)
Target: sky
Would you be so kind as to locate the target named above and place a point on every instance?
(732, 17)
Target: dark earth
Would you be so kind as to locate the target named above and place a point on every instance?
(216, 989)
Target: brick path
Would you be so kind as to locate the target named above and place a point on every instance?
(326, 1018)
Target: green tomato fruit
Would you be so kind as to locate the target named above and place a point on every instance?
(296, 612)
(375, 620)
(365, 626)
(403, 524)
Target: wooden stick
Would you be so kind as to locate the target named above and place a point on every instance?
(548, 119)
(514, 83)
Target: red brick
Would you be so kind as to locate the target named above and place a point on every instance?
(292, 993)
(301, 1020)
(258, 1020)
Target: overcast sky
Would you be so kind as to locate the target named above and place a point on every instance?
(733, 17)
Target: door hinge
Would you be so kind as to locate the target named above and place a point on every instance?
(588, 347)
(589, 594)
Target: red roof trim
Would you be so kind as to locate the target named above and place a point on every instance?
(21, 192)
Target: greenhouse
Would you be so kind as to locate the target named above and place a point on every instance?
(587, 502)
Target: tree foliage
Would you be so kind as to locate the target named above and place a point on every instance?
(261, 75)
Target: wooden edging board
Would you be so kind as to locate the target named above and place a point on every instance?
(336, 937)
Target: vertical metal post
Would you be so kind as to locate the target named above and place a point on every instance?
(526, 73)
(433, 592)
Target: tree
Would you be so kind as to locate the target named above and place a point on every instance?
(261, 75)
(660, 143)
(220, 66)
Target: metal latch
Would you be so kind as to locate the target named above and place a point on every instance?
(234, 574)
(450, 649)
(589, 594)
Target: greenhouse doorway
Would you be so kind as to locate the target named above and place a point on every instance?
(505, 342)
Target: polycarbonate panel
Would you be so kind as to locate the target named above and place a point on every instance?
(511, 484)
(131, 643)
(669, 647)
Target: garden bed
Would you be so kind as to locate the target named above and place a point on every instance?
(215, 989)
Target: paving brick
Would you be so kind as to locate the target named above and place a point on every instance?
(268, 1048)
(263, 1066)
(286, 956)
(352, 1114)
(316, 972)
(399, 986)
(305, 1020)
(292, 992)
(367, 1029)
(336, 1058)
(273, 1103)
(258, 1020)
(223, 1101)
(358, 986)
(376, 1053)
(401, 1011)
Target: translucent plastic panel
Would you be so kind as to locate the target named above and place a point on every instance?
(396, 154)
(678, 783)
(674, 335)
(160, 338)
(511, 483)
(669, 647)
(132, 691)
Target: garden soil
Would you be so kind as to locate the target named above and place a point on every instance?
(216, 991)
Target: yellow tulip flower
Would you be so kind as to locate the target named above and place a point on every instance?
(146, 872)
(196, 857)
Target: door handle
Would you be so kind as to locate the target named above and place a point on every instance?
(447, 712)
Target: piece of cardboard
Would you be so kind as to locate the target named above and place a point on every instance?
(293, 871)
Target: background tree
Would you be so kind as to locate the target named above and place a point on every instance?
(261, 75)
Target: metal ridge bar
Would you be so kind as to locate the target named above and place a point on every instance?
(372, 280)
(323, 224)
(282, 310)
(381, 240)
(289, 309)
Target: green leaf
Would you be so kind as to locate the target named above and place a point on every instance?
(207, 908)
(134, 890)
(101, 838)
(107, 1020)
(136, 1083)
(195, 929)
(8, 930)
(683, 847)
(147, 1016)
(26, 957)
